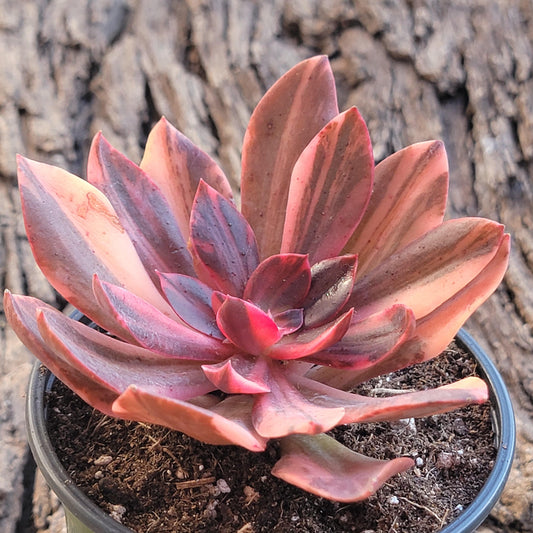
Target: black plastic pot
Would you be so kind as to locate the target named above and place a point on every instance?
(83, 516)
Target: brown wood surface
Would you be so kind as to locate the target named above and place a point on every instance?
(460, 70)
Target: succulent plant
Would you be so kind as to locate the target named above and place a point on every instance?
(237, 327)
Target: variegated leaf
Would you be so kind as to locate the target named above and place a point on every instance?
(288, 116)
(227, 422)
(117, 365)
(284, 410)
(87, 238)
(408, 200)
(153, 330)
(431, 269)
(222, 243)
(332, 282)
(241, 374)
(331, 183)
(21, 312)
(191, 300)
(141, 208)
(176, 165)
(321, 465)
(247, 326)
(305, 342)
(367, 341)
(279, 283)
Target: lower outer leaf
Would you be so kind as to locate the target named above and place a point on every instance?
(358, 408)
(21, 312)
(321, 465)
(227, 422)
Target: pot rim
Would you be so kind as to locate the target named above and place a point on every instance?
(85, 510)
(504, 424)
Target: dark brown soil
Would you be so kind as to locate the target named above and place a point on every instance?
(157, 480)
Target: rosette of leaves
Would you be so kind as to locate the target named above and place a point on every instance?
(241, 326)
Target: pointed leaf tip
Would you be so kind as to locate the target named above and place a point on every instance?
(222, 242)
(321, 465)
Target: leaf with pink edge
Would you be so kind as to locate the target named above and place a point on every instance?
(191, 300)
(116, 364)
(141, 208)
(408, 200)
(431, 269)
(176, 165)
(227, 422)
(247, 326)
(21, 313)
(359, 408)
(330, 188)
(284, 410)
(87, 238)
(222, 243)
(241, 374)
(321, 465)
(369, 340)
(153, 330)
(305, 342)
(331, 285)
(288, 116)
(280, 282)
(433, 332)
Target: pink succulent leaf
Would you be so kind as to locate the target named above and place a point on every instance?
(434, 331)
(141, 208)
(305, 342)
(191, 300)
(116, 364)
(279, 283)
(87, 238)
(176, 165)
(323, 466)
(368, 341)
(330, 188)
(408, 200)
(247, 326)
(285, 410)
(228, 422)
(241, 374)
(288, 116)
(331, 285)
(153, 330)
(431, 269)
(21, 312)
(222, 243)
(217, 299)
(358, 408)
(289, 321)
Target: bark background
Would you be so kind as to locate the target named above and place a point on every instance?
(461, 71)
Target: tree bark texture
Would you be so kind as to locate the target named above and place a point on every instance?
(461, 71)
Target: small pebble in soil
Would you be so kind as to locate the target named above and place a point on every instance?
(103, 460)
(117, 512)
(446, 460)
(223, 486)
(393, 500)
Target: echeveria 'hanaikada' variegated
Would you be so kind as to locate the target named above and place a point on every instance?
(334, 271)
